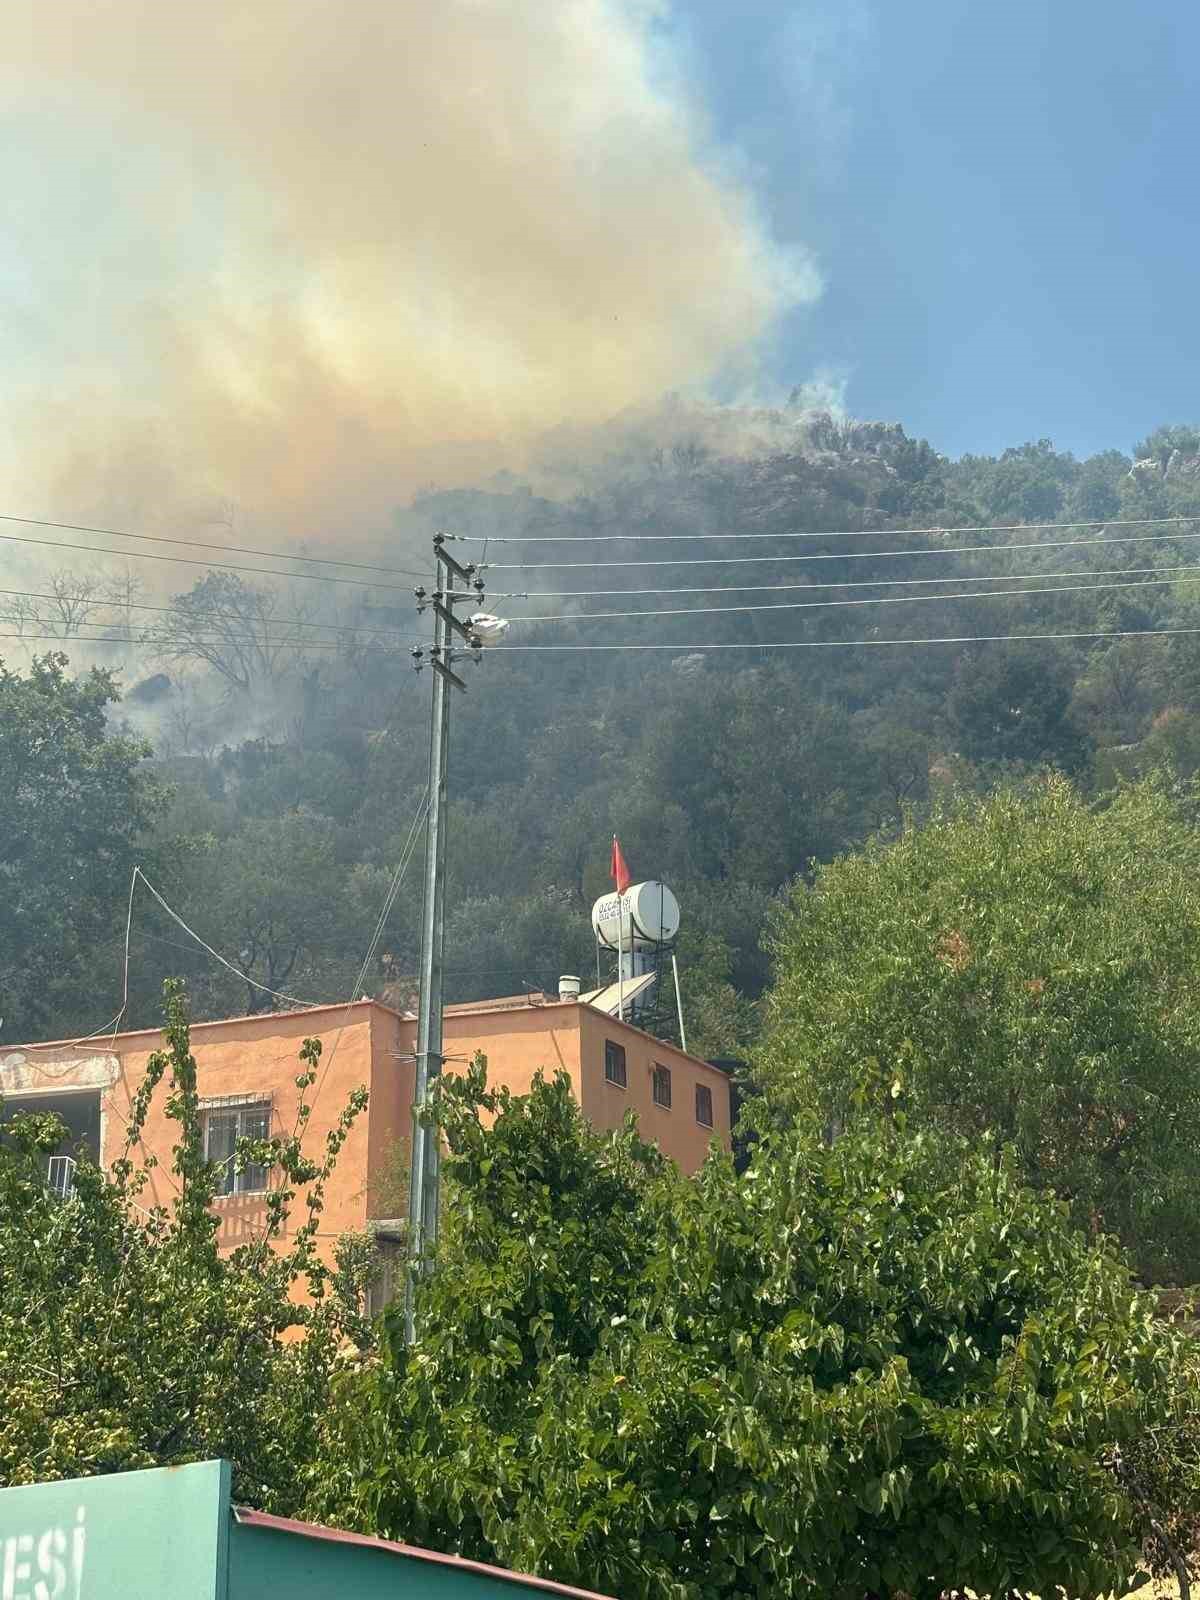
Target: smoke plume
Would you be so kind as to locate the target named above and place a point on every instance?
(307, 256)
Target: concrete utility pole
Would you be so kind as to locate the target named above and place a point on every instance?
(423, 1179)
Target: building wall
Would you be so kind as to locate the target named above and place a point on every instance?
(518, 1043)
(243, 1056)
(370, 1045)
(676, 1131)
(389, 1129)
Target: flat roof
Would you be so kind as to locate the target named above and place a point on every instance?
(97, 1041)
(534, 1000)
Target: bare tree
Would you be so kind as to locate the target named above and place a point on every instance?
(75, 599)
(230, 626)
(123, 592)
(19, 612)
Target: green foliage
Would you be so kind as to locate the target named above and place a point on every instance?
(1022, 969)
(127, 1339)
(879, 1367)
(275, 899)
(76, 804)
(726, 774)
(720, 1021)
(1008, 706)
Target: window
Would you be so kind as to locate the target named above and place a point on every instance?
(222, 1130)
(614, 1063)
(662, 1087)
(704, 1105)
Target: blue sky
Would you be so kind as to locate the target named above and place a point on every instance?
(1002, 198)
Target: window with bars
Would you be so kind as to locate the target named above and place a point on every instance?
(661, 1087)
(704, 1112)
(614, 1063)
(222, 1130)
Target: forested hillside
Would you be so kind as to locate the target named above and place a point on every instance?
(285, 762)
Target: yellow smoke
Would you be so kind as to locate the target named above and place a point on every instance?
(356, 246)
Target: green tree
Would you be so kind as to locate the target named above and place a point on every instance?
(1008, 704)
(77, 802)
(128, 1339)
(881, 1367)
(1021, 969)
(273, 897)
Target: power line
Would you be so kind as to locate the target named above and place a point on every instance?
(213, 566)
(406, 855)
(275, 994)
(567, 594)
(848, 644)
(840, 533)
(840, 555)
(880, 600)
(117, 638)
(198, 616)
(810, 584)
(201, 544)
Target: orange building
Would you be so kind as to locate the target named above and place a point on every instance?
(246, 1071)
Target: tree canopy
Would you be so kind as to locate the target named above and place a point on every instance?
(885, 1366)
(725, 773)
(1020, 968)
(129, 1339)
(77, 803)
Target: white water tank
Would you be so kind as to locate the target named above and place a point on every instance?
(646, 914)
(568, 986)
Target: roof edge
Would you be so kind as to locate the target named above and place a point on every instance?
(97, 1042)
(315, 1530)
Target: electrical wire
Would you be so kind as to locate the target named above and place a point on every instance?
(275, 994)
(215, 615)
(394, 887)
(146, 939)
(201, 544)
(111, 638)
(880, 600)
(850, 644)
(213, 566)
(398, 876)
(115, 1022)
(839, 555)
(845, 583)
(840, 533)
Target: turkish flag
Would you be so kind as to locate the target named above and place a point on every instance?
(620, 872)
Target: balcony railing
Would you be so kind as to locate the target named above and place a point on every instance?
(60, 1175)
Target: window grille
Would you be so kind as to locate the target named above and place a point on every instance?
(704, 1111)
(614, 1063)
(222, 1130)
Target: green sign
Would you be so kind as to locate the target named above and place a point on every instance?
(128, 1536)
(172, 1534)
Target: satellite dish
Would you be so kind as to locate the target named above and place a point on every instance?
(487, 628)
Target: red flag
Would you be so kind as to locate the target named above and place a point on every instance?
(620, 872)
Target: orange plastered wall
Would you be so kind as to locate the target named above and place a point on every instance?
(389, 1132)
(676, 1131)
(260, 1056)
(517, 1043)
(242, 1056)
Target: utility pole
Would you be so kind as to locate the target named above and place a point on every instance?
(423, 1179)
